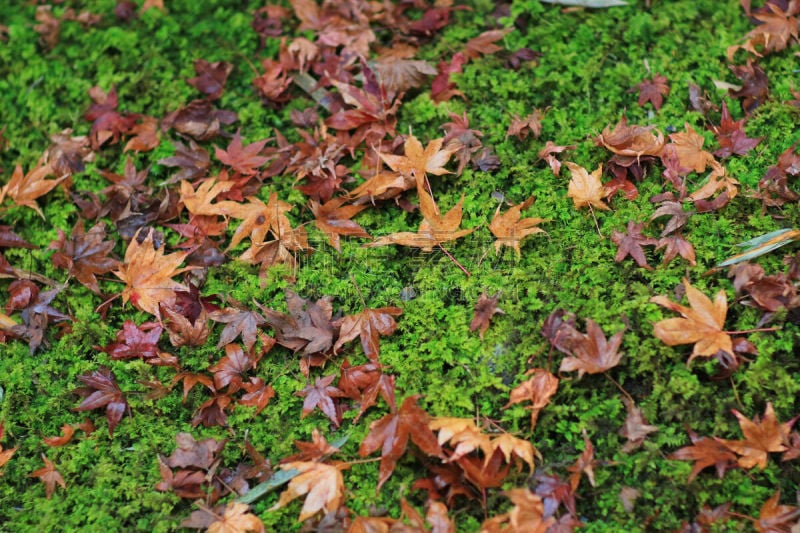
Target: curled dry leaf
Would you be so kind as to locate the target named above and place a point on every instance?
(49, 476)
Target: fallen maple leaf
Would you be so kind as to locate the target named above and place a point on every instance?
(760, 437)
(147, 274)
(417, 163)
(369, 325)
(689, 149)
(593, 353)
(85, 254)
(636, 429)
(633, 141)
(321, 483)
(50, 477)
(5, 455)
(538, 390)
(242, 159)
(24, 189)
(102, 391)
(434, 229)
(705, 452)
(334, 219)
(652, 91)
(586, 189)
(391, 433)
(485, 309)
(258, 394)
(237, 519)
(510, 230)
(322, 394)
(631, 244)
(776, 518)
(145, 135)
(66, 435)
(702, 323)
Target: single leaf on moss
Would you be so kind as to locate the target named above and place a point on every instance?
(485, 309)
(702, 323)
(333, 218)
(23, 189)
(509, 229)
(592, 352)
(538, 390)
(761, 436)
(705, 452)
(49, 476)
(102, 391)
(586, 189)
(322, 484)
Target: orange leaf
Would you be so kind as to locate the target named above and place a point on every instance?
(49, 476)
(322, 484)
(510, 230)
(702, 323)
(24, 189)
(147, 273)
(417, 163)
(586, 189)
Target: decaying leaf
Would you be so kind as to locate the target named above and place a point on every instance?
(321, 483)
(485, 309)
(49, 476)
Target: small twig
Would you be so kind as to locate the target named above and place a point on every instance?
(358, 290)
(736, 393)
(623, 391)
(455, 261)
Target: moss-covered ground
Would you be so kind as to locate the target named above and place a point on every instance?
(590, 59)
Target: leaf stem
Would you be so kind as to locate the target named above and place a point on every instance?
(623, 391)
(755, 330)
(596, 225)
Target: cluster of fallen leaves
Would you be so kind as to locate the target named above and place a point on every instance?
(359, 84)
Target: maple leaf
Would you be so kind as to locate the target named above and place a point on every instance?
(585, 464)
(391, 433)
(718, 179)
(212, 412)
(315, 450)
(484, 44)
(521, 127)
(776, 28)
(191, 453)
(242, 159)
(334, 219)
(229, 370)
(66, 435)
(369, 325)
(635, 429)
(199, 202)
(321, 483)
(199, 120)
(631, 244)
(547, 153)
(259, 218)
(761, 436)
(776, 518)
(701, 324)
(237, 519)
(593, 353)
(755, 86)
(363, 383)
(321, 394)
(676, 245)
(134, 341)
(652, 91)
(145, 135)
(192, 160)
(238, 321)
(731, 136)
(102, 391)
(417, 162)
(678, 216)
(211, 77)
(85, 254)
(586, 189)
(509, 229)
(509, 446)
(182, 331)
(258, 394)
(49, 476)
(147, 274)
(190, 379)
(485, 309)
(538, 390)
(399, 74)
(527, 515)
(24, 189)
(689, 149)
(308, 325)
(107, 124)
(633, 141)
(442, 89)
(705, 452)
(5, 455)
(434, 229)
(68, 154)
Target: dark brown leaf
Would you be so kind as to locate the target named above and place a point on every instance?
(485, 309)
(631, 243)
(102, 391)
(323, 395)
(85, 254)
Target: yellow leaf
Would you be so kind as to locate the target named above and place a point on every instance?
(586, 189)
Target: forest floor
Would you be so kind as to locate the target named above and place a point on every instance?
(340, 265)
